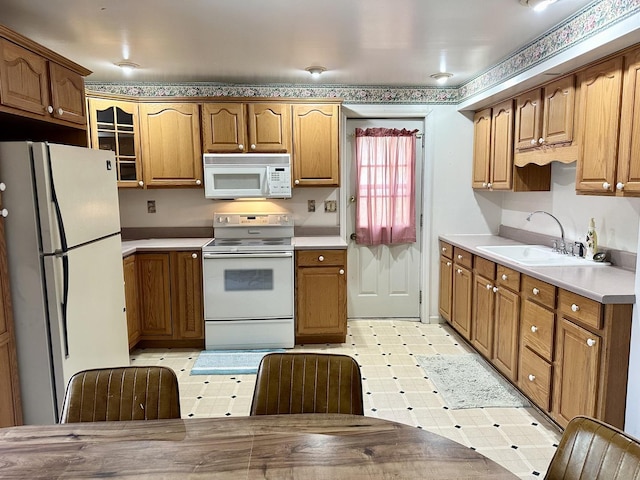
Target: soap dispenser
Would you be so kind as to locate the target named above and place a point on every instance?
(592, 240)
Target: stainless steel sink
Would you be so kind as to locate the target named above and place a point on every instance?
(538, 256)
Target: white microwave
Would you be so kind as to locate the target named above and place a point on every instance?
(250, 175)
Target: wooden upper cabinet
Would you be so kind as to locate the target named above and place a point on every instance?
(67, 94)
(171, 148)
(528, 129)
(545, 116)
(253, 127)
(315, 145)
(269, 127)
(598, 126)
(481, 148)
(628, 178)
(113, 125)
(31, 83)
(24, 79)
(558, 111)
(501, 169)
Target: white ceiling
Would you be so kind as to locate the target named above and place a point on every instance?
(360, 42)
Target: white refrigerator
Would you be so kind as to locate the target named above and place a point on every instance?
(65, 266)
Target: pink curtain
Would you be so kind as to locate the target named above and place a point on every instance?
(385, 208)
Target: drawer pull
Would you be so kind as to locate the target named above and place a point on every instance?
(341, 271)
(321, 258)
(495, 289)
(532, 377)
(504, 276)
(194, 255)
(574, 307)
(590, 342)
(536, 291)
(534, 329)
(460, 257)
(444, 249)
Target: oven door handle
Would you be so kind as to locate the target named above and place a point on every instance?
(248, 255)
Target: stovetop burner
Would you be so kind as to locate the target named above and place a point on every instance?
(251, 232)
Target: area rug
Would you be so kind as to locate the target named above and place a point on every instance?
(467, 381)
(229, 362)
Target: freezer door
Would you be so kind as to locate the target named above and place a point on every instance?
(88, 322)
(77, 195)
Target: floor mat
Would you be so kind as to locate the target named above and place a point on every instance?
(229, 362)
(466, 381)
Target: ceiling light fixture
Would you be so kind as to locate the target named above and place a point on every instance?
(537, 5)
(127, 66)
(442, 77)
(315, 70)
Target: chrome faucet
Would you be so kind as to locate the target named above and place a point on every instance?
(563, 247)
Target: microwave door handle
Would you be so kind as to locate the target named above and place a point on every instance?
(267, 183)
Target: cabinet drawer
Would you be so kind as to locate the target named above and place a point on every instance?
(310, 258)
(538, 325)
(485, 267)
(508, 278)
(534, 378)
(446, 250)
(462, 257)
(585, 310)
(539, 291)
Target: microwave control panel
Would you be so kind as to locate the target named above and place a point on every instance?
(279, 180)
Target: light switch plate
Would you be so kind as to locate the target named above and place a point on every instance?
(311, 205)
(151, 206)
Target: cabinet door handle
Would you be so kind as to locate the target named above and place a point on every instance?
(341, 271)
(240, 146)
(574, 307)
(532, 377)
(4, 212)
(536, 291)
(459, 271)
(141, 183)
(620, 186)
(534, 329)
(504, 276)
(495, 289)
(296, 181)
(489, 185)
(534, 141)
(590, 342)
(194, 255)
(541, 140)
(606, 185)
(50, 109)
(60, 111)
(321, 258)
(3, 186)
(489, 286)
(253, 146)
(444, 249)
(460, 257)
(448, 264)
(484, 184)
(198, 182)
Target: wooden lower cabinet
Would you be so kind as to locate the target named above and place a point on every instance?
(170, 293)
(321, 296)
(131, 299)
(568, 354)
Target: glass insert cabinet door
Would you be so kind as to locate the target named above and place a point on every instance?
(114, 126)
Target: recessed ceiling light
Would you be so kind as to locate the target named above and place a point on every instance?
(315, 70)
(127, 66)
(537, 5)
(442, 77)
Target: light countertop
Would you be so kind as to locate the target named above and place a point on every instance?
(159, 244)
(604, 284)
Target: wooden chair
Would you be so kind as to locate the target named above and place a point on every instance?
(126, 393)
(307, 383)
(592, 450)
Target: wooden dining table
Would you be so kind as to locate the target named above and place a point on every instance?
(314, 446)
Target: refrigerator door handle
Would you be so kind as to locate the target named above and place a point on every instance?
(56, 204)
(65, 299)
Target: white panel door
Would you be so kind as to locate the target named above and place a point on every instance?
(383, 281)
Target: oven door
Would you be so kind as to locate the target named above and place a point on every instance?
(245, 286)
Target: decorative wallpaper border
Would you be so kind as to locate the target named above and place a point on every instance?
(591, 20)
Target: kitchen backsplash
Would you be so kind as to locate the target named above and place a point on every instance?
(184, 208)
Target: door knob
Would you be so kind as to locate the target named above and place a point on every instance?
(353, 236)
(352, 199)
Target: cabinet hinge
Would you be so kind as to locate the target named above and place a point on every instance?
(421, 219)
(420, 297)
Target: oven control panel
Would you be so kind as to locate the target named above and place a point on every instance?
(252, 219)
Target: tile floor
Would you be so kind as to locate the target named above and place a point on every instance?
(520, 439)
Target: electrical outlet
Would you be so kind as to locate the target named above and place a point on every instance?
(330, 206)
(311, 205)
(151, 206)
